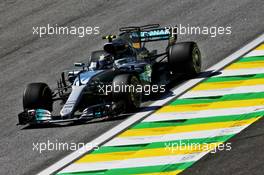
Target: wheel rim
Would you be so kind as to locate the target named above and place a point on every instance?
(196, 60)
(134, 95)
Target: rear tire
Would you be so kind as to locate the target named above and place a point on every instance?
(185, 58)
(121, 91)
(37, 96)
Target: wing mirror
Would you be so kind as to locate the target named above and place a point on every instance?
(79, 64)
(82, 65)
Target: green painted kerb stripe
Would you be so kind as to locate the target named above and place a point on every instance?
(111, 149)
(229, 97)
(234, 78)
(253, 58)
(198, 120)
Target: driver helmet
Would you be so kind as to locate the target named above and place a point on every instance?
(118, 48)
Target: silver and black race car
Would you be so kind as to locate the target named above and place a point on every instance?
(115, 78)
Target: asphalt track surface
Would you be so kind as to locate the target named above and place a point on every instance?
(26, 58)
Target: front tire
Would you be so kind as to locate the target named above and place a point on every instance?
(122, 92)
(37, 96)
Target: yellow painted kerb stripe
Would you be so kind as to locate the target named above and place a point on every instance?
(187, 128)
(210, 106)
(261, 47)
(164, 151)
(228, 84)
(246, 65)
(163, 173)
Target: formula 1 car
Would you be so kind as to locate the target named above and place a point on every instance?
(114, 79)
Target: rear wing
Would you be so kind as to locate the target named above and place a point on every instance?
(151, 32)
(153, 35)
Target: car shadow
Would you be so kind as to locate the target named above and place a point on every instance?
(208, 74)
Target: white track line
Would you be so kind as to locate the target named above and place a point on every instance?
(235, 72)
(202, 114)
(224, 91)
(137, 117)
(137, 162)
(255, 53)
(122, 141)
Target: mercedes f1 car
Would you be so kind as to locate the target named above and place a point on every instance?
(113, 80)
